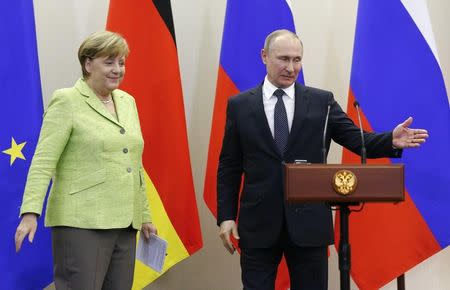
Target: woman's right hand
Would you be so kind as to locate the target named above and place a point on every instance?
(27, 226)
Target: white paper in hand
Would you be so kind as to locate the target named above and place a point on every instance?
(152, 252)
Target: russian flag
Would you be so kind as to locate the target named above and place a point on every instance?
(247, 23)
(396, 74)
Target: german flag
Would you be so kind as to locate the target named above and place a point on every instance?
(153, 78)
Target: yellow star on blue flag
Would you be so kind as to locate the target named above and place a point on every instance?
(21, 118)
(15, 151)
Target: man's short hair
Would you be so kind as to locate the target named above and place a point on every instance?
(274, 34)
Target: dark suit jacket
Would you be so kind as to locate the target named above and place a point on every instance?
(249, 150)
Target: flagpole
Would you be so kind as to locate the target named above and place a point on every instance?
(401, 282)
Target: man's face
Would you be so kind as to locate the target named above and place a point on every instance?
(283, 60)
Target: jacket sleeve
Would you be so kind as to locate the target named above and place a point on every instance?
(146, 214)
(347, 134)
(55, 132)
(230, 169)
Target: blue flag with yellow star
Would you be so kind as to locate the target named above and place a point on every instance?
(20, 121)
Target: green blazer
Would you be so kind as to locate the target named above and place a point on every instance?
(95, 161)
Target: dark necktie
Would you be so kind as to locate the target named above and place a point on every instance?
(281, 128)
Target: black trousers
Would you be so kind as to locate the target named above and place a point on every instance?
(86, 259)
(308, 266)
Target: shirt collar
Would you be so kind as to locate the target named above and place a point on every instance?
(269, 89)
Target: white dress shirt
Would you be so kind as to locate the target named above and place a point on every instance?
(269, 101)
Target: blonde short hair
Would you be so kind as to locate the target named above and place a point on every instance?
(101, 44)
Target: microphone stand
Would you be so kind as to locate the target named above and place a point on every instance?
(324, 137)
(363, 144)
(344, 246)
(344, 208)
(401, 278)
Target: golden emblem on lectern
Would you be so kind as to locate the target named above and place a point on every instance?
(344, 182)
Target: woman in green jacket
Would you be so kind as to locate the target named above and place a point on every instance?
(91, 145)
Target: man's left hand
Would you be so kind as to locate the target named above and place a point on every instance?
(405, 137)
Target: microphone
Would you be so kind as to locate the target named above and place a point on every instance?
(324, 147)
(363, 146)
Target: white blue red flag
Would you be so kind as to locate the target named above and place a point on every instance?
(247, 23)
(396, 74)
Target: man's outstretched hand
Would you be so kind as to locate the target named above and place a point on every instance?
(405, 137)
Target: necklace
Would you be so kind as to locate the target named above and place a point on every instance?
(106, 101)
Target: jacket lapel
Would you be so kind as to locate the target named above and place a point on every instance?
(257, 107)
(93, 101)
(302, 103)
(120, 106)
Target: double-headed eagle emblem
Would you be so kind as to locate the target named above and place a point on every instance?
(344, 182)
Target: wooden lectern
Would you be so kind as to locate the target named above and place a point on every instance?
(314, 183)
(344, 185)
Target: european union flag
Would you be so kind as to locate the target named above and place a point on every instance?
(20, 121)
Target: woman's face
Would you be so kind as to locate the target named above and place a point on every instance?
(105, 73)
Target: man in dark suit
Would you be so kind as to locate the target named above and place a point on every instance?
(282, 121)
